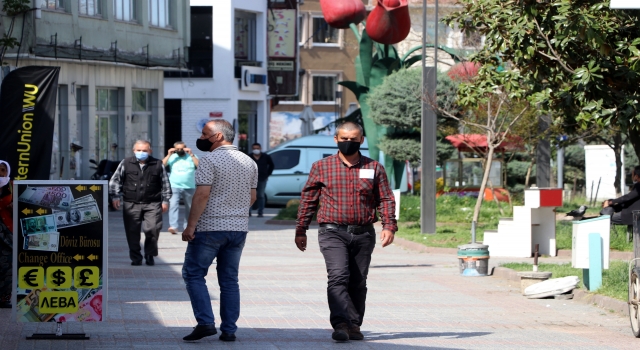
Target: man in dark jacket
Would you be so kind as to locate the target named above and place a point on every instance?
(265, 168)
(143, 184)
(621, 209)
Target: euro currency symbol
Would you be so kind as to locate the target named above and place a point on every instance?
(30, 279)
(84, 278)
(58, 278)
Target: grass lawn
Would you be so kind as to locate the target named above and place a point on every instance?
(615, 280)
(453, 226)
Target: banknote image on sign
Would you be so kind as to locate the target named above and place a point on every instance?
(60, 250)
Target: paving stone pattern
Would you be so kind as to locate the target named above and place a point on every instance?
(416, 301)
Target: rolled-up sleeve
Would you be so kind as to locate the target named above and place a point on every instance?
(115, 184)
(166, 187)
(386, 200)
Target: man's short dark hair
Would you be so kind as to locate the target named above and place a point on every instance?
(349, 126)
(636, 170)
(257, 144)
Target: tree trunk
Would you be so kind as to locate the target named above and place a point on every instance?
(617, 150)
(485, 178)
(529, 169)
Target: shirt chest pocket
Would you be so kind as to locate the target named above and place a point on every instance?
(365, 187)
(132, 177)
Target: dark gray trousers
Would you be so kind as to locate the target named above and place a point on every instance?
(146, 218)
(616, 217)
(347, 257)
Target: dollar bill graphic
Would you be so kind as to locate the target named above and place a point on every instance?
(42, 241)
(38, 224)
(80, 215)
(54, 197)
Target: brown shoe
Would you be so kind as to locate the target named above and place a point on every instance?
(172, 230)
(354, 333)
(341, 332)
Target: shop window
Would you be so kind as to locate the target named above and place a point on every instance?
(159, 13)
(90, 7)
(324, 88)
(324, 34)
(125, 10)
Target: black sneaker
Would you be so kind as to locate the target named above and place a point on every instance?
(260, 215)
(355, 334)
(149, 260)
(341, 332)
(227, 337)
(200, 332)
(136, 263)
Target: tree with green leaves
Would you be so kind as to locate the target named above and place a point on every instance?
(397, 104)
(577, 60)
(11, 9)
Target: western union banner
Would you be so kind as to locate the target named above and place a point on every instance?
(28, 100)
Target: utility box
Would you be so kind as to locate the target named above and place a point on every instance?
(580, 247)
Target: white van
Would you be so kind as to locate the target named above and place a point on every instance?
(293, 162)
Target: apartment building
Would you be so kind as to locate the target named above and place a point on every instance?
(112, 55)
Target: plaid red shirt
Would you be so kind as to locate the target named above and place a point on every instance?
(349, 195)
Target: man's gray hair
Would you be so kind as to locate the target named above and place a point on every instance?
(349, 126)
(224, 127)
(141, 141)
(176, 144)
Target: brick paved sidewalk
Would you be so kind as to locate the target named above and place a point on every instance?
(416, 301)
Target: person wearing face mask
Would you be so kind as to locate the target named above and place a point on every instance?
(349, 188)
(226, 182)
(265, 168)
(6, 235)
(182, 165)
(621, 209)
(141, 185)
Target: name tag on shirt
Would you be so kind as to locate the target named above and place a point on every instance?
(367, 173)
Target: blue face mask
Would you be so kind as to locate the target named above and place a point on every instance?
(142, 155)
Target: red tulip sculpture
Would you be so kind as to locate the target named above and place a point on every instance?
(342, 13)
(389, 22)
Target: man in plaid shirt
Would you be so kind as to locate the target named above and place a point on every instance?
(350, 187)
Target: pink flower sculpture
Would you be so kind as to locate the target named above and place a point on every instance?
(389, 22)
(341, 13)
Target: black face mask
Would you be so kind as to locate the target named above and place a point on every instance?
(349, 147)
(204, 144)
(180, 153)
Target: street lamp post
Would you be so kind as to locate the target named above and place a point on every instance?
(428, 129)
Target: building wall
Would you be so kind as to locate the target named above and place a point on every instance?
(82, 131)
(221, 93)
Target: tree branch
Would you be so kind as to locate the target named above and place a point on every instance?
(557, 57)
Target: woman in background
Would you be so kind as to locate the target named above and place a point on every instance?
(6, 235)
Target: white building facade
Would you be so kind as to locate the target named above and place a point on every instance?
(227, 78)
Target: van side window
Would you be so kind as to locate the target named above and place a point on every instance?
(325, 155)
(285, 159)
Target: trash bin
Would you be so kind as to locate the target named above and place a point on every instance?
(474, 259)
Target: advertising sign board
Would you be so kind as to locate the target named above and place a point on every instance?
(60, 251)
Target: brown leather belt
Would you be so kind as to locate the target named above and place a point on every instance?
(354, 229)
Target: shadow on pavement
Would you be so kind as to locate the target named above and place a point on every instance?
(403, 265)
(408, 335)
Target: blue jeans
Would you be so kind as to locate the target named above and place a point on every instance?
(226, 247)
(259, 204)
(174, 205)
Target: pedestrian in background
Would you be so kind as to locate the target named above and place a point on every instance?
(6, 235)
(265, 168)
(349, 188)
(182, 165)
(217, 228)
(143, 185)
